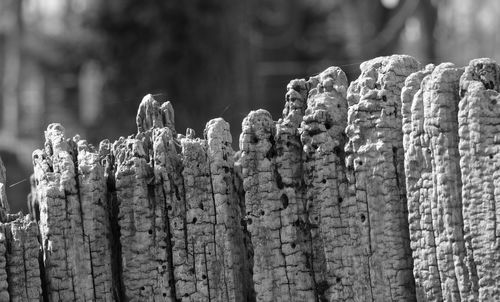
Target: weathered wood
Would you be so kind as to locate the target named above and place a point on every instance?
(375, 162)
(384, 189)
(434, 185)
(327, 221)
(478, 131)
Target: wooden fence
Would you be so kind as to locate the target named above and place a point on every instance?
(384, 189)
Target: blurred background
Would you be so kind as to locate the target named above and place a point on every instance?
(88, 63)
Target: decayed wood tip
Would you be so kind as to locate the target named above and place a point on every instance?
(382, 189)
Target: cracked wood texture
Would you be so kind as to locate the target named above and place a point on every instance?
(479, 139)
(382, 255)
(382, 189)
(434, 184)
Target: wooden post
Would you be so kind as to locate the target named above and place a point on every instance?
(382, 190)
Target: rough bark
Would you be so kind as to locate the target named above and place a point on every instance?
(22, 250)
(289, 169)
(20, 272)
(478, 120)
(322, 134)
(289, 214)
(4, 284)
(263, 204)
(434, 185)
(324, 204)
(232, 266)
(67, 256)
(382, 258)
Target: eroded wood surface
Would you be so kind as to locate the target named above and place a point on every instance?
(382, 189)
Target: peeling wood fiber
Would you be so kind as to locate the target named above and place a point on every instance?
(382, 189)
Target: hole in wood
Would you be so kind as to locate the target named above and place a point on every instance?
(253, 139)
(284, 201)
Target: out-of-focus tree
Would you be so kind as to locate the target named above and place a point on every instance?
(195, 53)
(467, 29)
(12, 30)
